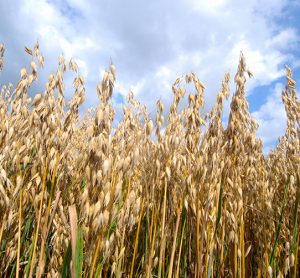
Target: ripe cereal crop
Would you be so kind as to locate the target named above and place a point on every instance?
(175, 195)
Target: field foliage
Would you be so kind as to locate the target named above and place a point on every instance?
(177, 195)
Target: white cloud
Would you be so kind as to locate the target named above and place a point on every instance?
(285, 39)
(125, 88)
(271, 117)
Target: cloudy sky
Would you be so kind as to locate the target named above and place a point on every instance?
(153, 42)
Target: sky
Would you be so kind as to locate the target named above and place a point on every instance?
(151, 43)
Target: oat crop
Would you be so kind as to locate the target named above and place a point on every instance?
(177, 195)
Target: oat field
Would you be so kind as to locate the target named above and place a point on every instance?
(177, 195)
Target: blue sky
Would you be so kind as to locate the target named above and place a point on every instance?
(153, 42)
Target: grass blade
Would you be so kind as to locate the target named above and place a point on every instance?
(79, 253)
(66, 270)
(271, 261)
